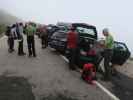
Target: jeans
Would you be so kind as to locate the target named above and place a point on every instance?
(31, 45)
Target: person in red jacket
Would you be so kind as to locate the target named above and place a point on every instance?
(72, 41)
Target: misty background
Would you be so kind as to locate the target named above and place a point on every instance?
(114, 14)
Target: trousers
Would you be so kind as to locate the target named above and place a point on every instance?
(31, 45)
(108, 53)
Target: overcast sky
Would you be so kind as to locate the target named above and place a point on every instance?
(117, 15)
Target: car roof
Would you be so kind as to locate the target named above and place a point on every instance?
(84, 24)
(74, 24)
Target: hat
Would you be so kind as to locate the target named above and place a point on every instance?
(105, 30)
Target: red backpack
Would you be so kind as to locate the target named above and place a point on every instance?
(89, 72)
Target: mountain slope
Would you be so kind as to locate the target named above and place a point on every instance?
(6, 18)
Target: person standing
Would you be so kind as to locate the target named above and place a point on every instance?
(108, 53)
(72, 41)
(44, 37)
(24, 28)
(30, 31)
(20, 39)
(8, 34)
(11, 37)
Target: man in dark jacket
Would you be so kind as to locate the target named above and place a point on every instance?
(72, 41)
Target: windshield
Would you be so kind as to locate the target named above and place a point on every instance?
(63, 29)
(85, 30)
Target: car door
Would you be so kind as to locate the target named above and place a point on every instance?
(121, 53)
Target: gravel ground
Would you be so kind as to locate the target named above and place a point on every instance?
(48, 74)
(127, 68)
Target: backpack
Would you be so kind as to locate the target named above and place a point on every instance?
(89, 72)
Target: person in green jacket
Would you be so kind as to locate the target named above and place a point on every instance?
(108, 53)
(30, 31)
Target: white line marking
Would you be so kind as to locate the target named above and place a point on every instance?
(64, 58)
(106, 91)
(97, 83)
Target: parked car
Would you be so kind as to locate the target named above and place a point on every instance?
(95, 54)
(59, 38)
(121, 53)
(51, 29)
(87, 39)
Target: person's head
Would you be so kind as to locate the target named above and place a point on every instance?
(105, 31)
(17, 24)
(31, 23)
(28, 23)
(21, 24)
(14, 25)
(72, 28)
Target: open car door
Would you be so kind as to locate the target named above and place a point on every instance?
(121, 53)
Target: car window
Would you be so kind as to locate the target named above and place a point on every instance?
(49, 27)
(120, 46)
(86, 30)
(63, 29)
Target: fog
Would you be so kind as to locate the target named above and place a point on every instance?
(114, 14)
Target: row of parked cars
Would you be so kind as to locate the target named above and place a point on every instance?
(87, 47)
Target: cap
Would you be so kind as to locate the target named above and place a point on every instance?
(105, 30)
